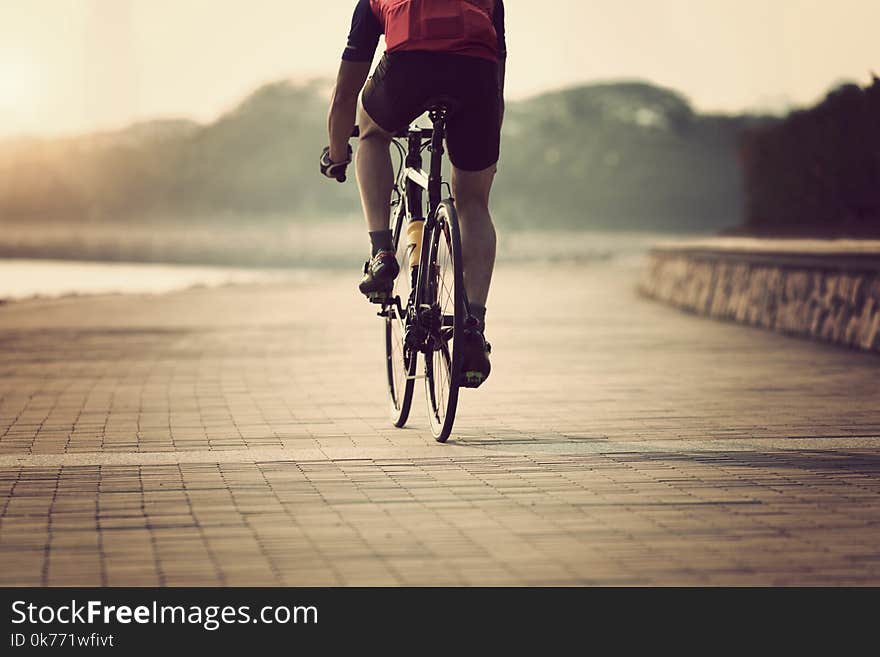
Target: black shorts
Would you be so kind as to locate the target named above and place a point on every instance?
(404, 82)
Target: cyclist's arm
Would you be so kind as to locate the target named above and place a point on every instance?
(353, 71)
(343, 106)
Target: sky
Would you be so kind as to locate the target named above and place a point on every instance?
(68, 66)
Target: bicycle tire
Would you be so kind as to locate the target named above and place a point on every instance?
(443, 361)
(400, 366)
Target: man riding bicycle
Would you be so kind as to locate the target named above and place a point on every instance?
(453, 49)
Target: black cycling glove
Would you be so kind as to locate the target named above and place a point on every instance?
(332, 169)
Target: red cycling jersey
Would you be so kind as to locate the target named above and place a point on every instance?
(463, 27)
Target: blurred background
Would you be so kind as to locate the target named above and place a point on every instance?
(187, 132)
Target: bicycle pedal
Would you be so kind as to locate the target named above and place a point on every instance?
(379, 296)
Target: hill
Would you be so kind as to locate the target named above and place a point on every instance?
(620, 156)
(624, 155)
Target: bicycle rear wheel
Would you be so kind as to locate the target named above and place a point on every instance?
(445, 288)
(400, 361)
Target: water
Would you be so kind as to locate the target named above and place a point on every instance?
(577, 246)
(22, 278)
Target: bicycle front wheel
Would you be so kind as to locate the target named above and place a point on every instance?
(445, 288)
(400, 360)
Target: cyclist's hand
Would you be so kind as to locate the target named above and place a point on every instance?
(331, 169)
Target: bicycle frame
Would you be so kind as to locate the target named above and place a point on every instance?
(416, 179)
(415, 182)
(432, 313)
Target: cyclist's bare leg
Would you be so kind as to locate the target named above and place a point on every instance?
(471, 192)
(375, 173)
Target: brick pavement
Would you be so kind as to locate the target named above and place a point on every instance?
(238, 436)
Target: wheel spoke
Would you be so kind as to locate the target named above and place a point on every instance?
(400, 384)
(444, 297)
(440, 368)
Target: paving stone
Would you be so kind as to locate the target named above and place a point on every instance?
(239, 436)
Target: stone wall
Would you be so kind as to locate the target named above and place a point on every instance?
(830, 295)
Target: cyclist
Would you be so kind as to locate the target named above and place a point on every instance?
(450, 48)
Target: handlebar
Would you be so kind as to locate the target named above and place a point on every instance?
(425, 133)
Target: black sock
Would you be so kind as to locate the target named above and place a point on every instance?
(479, 312)
(380, 240)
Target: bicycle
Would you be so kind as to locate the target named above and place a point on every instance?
(427, 307)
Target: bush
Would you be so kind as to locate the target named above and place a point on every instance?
(817, 172)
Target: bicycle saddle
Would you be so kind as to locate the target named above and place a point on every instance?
(446, 104)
